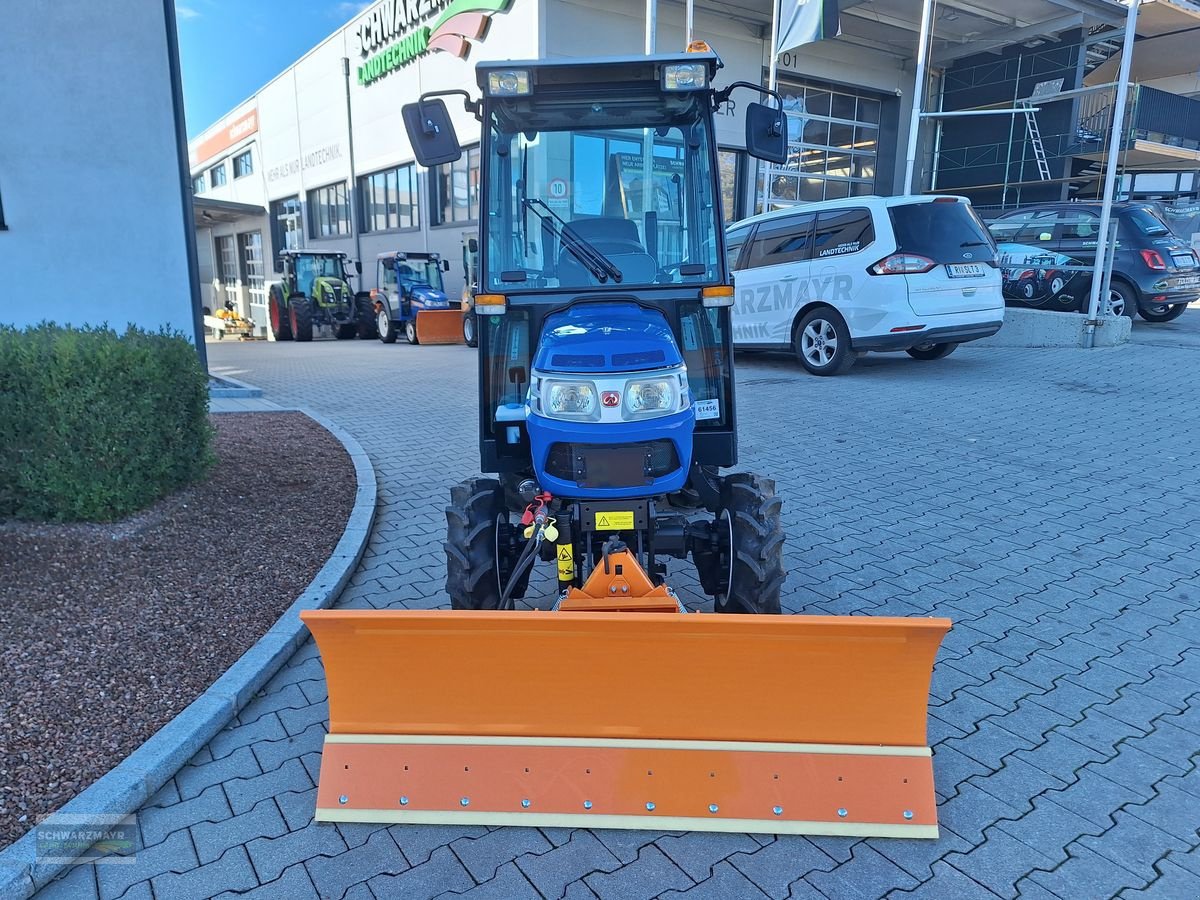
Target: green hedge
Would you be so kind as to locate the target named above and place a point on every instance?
(96, 425)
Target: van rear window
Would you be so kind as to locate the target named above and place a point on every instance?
(944, 232)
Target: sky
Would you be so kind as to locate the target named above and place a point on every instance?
(228, 49)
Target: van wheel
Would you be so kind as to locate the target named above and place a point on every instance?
(1163, 312)
(931, 351)
(822, 342)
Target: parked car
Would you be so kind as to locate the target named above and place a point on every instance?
(832, 280)
(1155, 273)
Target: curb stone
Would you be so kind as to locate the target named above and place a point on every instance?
(230, 388)
(133, 781)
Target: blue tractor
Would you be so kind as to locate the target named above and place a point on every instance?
(603, 321)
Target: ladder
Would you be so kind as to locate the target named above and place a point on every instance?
(1035, 138)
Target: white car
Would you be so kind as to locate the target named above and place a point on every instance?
(832, 280)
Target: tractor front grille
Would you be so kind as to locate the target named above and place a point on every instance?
(612, 465)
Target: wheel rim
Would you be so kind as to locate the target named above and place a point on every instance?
(819, 342)
(410, 332)
(385, 323)
(468, 329)
(1056, 286)
(1116, 303)
(1028, 291)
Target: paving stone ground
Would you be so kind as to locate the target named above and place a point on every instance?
(1046, 501)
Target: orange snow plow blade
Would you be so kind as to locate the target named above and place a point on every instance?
(703, 722)
(439, 326)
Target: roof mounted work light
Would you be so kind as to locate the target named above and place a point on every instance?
(509, 83)
(685, 77)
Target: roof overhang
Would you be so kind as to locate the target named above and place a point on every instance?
(1168, 33)
(215, 212)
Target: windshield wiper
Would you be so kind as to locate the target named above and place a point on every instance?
(579, 247)
(973, 244)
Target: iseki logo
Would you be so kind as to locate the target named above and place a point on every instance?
(610, 398)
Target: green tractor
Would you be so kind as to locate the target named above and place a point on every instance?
(314, 291)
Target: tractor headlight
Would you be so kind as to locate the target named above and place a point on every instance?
(651, 397)
(685, 77)
(570, 400)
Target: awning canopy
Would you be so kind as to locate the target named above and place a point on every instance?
(962, 28)
(212, 212)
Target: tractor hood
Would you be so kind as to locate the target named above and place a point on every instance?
(606, 337)
(428, 297)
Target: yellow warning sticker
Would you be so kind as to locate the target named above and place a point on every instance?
(614, 521)
(566, 563)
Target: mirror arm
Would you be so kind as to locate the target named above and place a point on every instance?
(722, 96)
(474, 107)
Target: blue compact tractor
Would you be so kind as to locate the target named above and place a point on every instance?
(602, 312)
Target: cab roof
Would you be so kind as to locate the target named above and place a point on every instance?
(408, 254)
(585, 70)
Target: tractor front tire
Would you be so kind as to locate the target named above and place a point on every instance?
(281, 325)
(477, 562)
(752, 510)
(410, 330)
(345, 331)
(300, 314)
(469, 330)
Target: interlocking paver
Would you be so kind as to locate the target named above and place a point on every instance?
(334, 875)
(442, 872)
(175, 854)
(212, 839)
(509, 883)
(725, 883)
(293, 884)
(77, 883)
(649, 875)
(232, 872)
(1062, 682)
(157, 822)
(552, 871)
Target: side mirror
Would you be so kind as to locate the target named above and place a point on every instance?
(430, 132)
(279, 264)
(766, 133)
(472, 245)
(358, 266)
(445, 265)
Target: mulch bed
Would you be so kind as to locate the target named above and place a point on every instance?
(110, 630)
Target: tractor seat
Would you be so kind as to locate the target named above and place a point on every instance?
(615, 238)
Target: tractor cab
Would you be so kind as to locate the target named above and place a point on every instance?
(314, 292)
(411, 299)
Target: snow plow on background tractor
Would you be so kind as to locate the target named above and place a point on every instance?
(607, 412)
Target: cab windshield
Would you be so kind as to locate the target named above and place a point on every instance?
(420, 273)
(600, 195)
(310, 268)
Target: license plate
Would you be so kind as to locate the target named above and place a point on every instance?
(1184, 260)
(964, 270)
(612, 467)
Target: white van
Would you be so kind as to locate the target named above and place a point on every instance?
(832, 280)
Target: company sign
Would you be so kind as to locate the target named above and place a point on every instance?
(309, 160)
(397, 32)
(241, 127)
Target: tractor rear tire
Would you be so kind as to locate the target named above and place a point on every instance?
(757, 573)
(365, 310)
(475, 576)
(281, 325)
(300, 314)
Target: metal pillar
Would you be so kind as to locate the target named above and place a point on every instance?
(651, 24)
(691, 17)
(1116, 140)
(914, 125)
(352, 194)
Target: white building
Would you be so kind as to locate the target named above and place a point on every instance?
(318, 157)
(95, 218)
